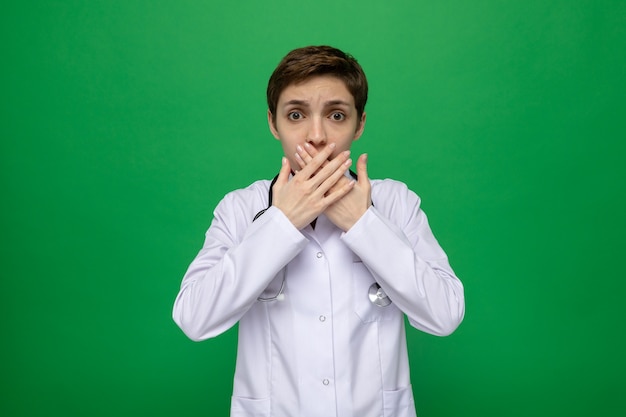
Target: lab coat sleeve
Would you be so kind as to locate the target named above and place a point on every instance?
(236, 263)
(394, 241)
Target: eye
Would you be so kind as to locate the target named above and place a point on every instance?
(294, 115)
(337, 116)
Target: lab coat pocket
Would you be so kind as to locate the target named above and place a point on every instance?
(249, 407)
(275, 290)
(369, 309)
(398, 403)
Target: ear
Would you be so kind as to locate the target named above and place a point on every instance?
(360, 127)
(272, 125)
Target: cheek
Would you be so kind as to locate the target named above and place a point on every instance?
(345, 140)
(289, 150)
(344, 133)
(290, 137)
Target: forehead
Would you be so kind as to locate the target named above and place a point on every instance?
(321, 87)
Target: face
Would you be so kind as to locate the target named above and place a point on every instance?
(319, 111)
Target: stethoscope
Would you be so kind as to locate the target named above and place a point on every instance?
(375, 293)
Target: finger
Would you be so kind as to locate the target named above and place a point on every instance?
(314, 164)
(333, 172)
(307, 153)
(283, 174)
(338, 192)
(310, 150)
(303, 156)
(331, 169)
(361, 168)
(299, 159)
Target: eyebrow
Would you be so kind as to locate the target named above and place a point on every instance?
(326, 104)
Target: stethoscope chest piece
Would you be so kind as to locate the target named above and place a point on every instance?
(377, 296)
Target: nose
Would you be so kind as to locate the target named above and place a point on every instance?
(317, 134)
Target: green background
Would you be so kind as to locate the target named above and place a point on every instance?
(123, 123)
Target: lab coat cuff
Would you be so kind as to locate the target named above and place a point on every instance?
(279, 221)
(361, 227)
(371, 223)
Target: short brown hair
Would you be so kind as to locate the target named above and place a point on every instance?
(303, 63)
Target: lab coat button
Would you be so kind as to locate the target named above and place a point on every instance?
(322, 318)
(319, 254)
(325, 382)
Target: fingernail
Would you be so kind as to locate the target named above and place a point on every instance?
(348, 162)
(307, 145)
(284, 161)
(332, 146)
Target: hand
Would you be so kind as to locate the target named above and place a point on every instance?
(314, 188)
(348, 209)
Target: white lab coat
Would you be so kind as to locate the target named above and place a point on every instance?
(325, 349)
